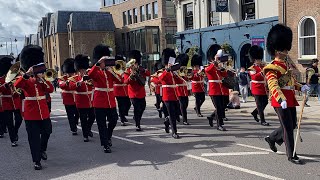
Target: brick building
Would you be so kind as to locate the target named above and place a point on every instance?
(302, 16)
(145, 25)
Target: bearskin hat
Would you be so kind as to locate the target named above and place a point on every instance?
(81, 62)
(31, 55)
(256, 52)
(196, 60)
(5, 64)
(99, 51)
(157, 65)
(68, 66)
(183, 59)
(212, 52)
(279, 39)
(135, 54)
(166, 54)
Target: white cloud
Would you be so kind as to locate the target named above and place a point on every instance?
(20, 17)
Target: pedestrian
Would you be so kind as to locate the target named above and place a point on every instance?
(234, 100)
(243, 84)
(313, 80)
(279, 43)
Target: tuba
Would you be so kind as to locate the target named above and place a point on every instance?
(120, 67)
(50, 75)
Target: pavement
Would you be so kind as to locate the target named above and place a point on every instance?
(202, 152)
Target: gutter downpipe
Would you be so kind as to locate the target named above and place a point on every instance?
(200, 36)
(284, 19)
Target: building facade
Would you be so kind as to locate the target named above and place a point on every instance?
(244, 22)
(302, 17)
(145, 25)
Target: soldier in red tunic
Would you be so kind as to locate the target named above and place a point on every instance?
(198, 83)
(83, 95)
(68, 95)
(35, 112)
(258, 84)
(104, 101)
(282, 87)
(156, 84)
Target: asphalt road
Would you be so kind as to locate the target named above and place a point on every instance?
(201, 153)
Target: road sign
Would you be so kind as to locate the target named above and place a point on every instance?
(222, 6)
(258, 40)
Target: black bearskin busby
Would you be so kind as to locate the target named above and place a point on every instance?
(279, 39)
(99, 51)
(5, 64)
(183, 59)
(68, 66)
(196, 60)
(256, 52)
(212, 52)
(81, 62)
(157, 66)
(31, 55)
(166, 54)
(135, 54)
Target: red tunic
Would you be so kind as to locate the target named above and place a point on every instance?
(10, 100)
(103, 81)
(135, 89)
(83, 93)
(169, 87)
(157, 83)
(214, 80)
(67, 94)
(182, 86)
(120, 89)
(258, 83)
(197, 82)
(35, 104)
(224, 89)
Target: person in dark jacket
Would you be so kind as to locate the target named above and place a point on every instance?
(313, 80)
(243, 84)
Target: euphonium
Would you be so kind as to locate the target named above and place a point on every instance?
(50, 75)
(120, 67)
(183, 71)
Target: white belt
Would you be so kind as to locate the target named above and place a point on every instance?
(182, 85)
(35, 98)
(215, 81)
(288, 88)
(71, 92)
(6, 96)
(121, 85)
(104, 89)
(84, 93)
(258, 82)
(169, 86)
(197, 81)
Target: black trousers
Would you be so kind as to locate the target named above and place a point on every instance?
(105, 131)
(124, 105)
(200, 98)
(2, 123)
(288, 121)
(73, 116)
(87, 117)
(184, 102)
(158, 101)
(9, 123)
(17, 120)
(139, 106)
(49, 106)
(38, 136)
(165, 110)
(219, 112)
(172, 107)
(261, 102)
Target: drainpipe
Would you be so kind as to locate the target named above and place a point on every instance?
(284, 19)
(200, 37)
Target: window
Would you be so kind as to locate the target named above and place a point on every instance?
(135, 15)
(129, 17)
(142, 13)
(148, 8)
(112, 2)
(155, 9)
(170, 39)
(307, 38)
(213, 18)
(188, 16)
(124, 17)
(170, 9)
(248, 9)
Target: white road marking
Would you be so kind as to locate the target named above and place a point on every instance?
(234, 167)
(120, 138)
(54, 117)
(279, 152)
(53, 121)
(234, 154)
(61, 110)
(316, 133)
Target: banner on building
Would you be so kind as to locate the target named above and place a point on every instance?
(222, 6)
(259, 41)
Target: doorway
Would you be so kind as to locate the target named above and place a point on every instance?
(244, 56)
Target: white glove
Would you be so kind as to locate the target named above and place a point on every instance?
(284, 104)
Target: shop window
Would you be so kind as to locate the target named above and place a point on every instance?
(248, 9)
(307, 38)
(188, 16)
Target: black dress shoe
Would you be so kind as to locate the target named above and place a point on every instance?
(160, 113)
(37, 166)
(1, 136)
(85, 139)
(200, 115)
(295, 160)
(175, 136)
(221, 128)
(90, 134)
(225, 119)
(271, 143)
(178, 119)
(210, 119)
(123, 124)
(14, 144)
(74, 133)
(107, 149)
(138, 129)
(185, 123)
(255, 116)
(109, 143)
(166, 125)
(44, 155)
(125, 119)
(265, 124)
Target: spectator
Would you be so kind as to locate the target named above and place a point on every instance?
(313, 80)
(234, 100)
(243, 84)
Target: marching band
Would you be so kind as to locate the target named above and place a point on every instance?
(90, 93)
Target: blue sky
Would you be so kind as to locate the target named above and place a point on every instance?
(20, 17)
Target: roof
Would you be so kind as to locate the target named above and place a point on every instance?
(91, 21)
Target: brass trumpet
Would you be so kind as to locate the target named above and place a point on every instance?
(120, 67)
(50, 75)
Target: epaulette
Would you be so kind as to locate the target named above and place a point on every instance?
(272, 66)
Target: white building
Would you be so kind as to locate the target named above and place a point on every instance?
(195, 14)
